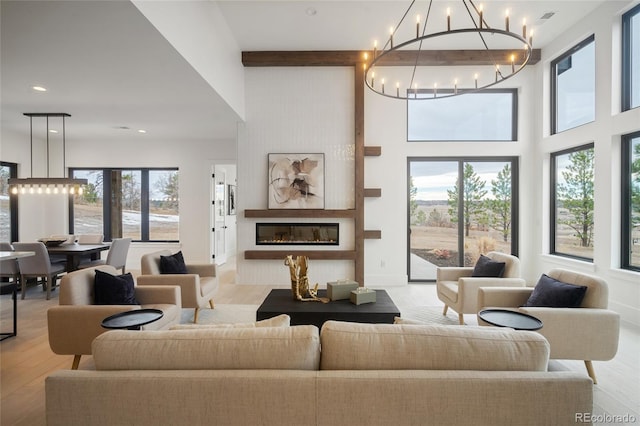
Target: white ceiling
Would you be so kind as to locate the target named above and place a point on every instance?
(353, 25)
(107, 66)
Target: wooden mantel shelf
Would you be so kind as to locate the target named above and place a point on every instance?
(373, 192)
(300, 213)
(311, 254)
(372, 151)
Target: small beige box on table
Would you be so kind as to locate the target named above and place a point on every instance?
(341, 289)
(363, 295)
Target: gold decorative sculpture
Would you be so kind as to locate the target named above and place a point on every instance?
(300, 281)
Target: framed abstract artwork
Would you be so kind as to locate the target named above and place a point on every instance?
(296, 181)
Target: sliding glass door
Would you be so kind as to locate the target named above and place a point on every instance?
(459, 208)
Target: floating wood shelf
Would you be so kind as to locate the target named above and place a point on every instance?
(372, 151)
(311, 254)
(300, 213)
(373, 192)
(373, 235)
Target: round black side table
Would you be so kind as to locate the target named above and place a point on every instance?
(132, 320)
(510, 319)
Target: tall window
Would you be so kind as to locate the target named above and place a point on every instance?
(631, 201)
(8, 204)
(460, 208)
(572, 202)
(138, 203)
(573, 87)
(631, 59)
(490, 115)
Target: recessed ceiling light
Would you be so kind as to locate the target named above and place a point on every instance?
(311, 11)
(53, 131)
(142, 131)
(39, 88)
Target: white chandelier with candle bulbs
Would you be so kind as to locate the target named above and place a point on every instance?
(406, 69)
(47, 184)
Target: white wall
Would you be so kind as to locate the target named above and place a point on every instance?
(605, 132)
(296, 110)
(385, 126)
(310, 109)
(44, 215)
(196, 27)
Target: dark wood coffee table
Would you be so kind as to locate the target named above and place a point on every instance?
(280, 301)
(132, 320)
(510, 319)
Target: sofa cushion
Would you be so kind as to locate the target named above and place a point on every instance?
(552, 293)
(354, 346)
(400, 320)
(486, 267)
(111, 289)
(173, 264)
(289, 348)
(282, 320)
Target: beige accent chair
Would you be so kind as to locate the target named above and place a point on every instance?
(458, 290)
(590, 332)
(197, 286)
(77, 321)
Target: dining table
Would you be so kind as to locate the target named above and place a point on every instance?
(75, 252)
(10, 255)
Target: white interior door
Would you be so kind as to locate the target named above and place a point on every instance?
(219, 228)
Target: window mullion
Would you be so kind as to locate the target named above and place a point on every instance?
(144, 205)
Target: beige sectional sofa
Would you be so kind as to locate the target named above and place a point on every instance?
(349, 374)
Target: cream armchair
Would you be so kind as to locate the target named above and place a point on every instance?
(77, 321)
(458, 290)
(587, 333)
(197, 287)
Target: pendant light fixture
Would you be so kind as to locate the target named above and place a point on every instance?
(47, 185)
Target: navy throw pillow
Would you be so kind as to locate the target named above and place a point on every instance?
(113, 289)
(485, 267)
(552, 293)
(173, 264)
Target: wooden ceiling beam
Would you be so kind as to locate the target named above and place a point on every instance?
(334, 58)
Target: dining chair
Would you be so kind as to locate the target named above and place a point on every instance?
(90, 238)
(116, 257)
(37, 266)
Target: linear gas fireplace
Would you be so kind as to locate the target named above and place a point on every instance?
(315, 234)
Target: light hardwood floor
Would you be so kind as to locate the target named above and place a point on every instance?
(26, 360)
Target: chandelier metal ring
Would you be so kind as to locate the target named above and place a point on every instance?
(517, 60)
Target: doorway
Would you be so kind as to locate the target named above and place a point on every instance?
(223, 212)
